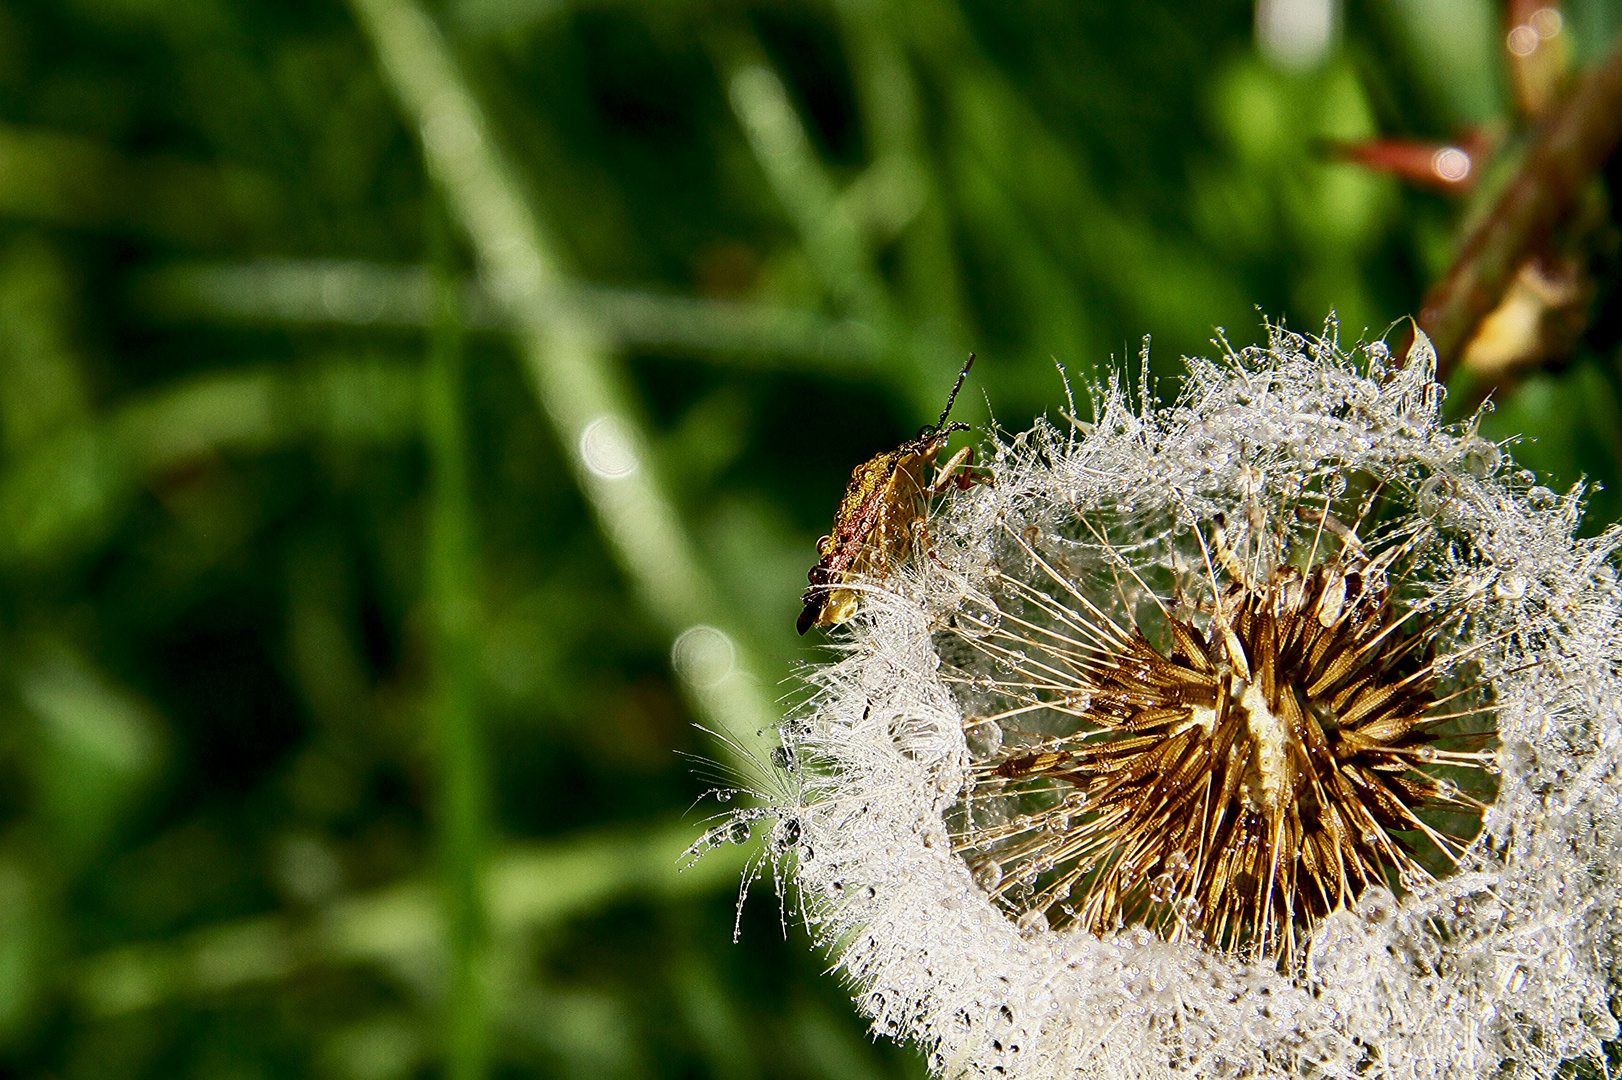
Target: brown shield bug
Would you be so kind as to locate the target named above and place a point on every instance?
(887, 497)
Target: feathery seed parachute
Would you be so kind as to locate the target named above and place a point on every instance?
(1270, 732)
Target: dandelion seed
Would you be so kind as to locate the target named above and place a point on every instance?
(1265, 733)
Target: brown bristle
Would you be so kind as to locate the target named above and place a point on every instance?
(1234, 784)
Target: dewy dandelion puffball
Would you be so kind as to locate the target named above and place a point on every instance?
(1271, 732)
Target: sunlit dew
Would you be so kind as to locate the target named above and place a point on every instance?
(703, 656)
(607, 448)
(1264, 732)
(1451, 164)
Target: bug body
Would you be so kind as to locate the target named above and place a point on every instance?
(873, 526)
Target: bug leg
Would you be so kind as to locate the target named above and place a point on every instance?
(959, 472)
(944, 477)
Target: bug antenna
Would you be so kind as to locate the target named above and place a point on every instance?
(952, 397)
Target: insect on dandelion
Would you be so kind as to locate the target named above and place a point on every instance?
(1271, 731)
(886, 499)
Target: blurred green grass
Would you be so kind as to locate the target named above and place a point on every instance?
(339, 690)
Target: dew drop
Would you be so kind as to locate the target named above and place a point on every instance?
(1033, 921)
(987, 873)
(788, 833)
(1510, 587)
(984, 739)
(1434, 495)
(738, 832)
(989, 814)
(1177, 863)
(1162, 888)
(1378, 905)
(1541, 497)
(1188, 909)
(1480, 458)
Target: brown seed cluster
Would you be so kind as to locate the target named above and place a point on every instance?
(1235, 783)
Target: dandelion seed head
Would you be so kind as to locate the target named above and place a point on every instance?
(1414, 659)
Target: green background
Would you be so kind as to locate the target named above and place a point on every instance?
(304, 615)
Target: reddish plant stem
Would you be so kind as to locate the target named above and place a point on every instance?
(1574, 143)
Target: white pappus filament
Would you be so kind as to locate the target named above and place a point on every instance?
(1271, 731)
